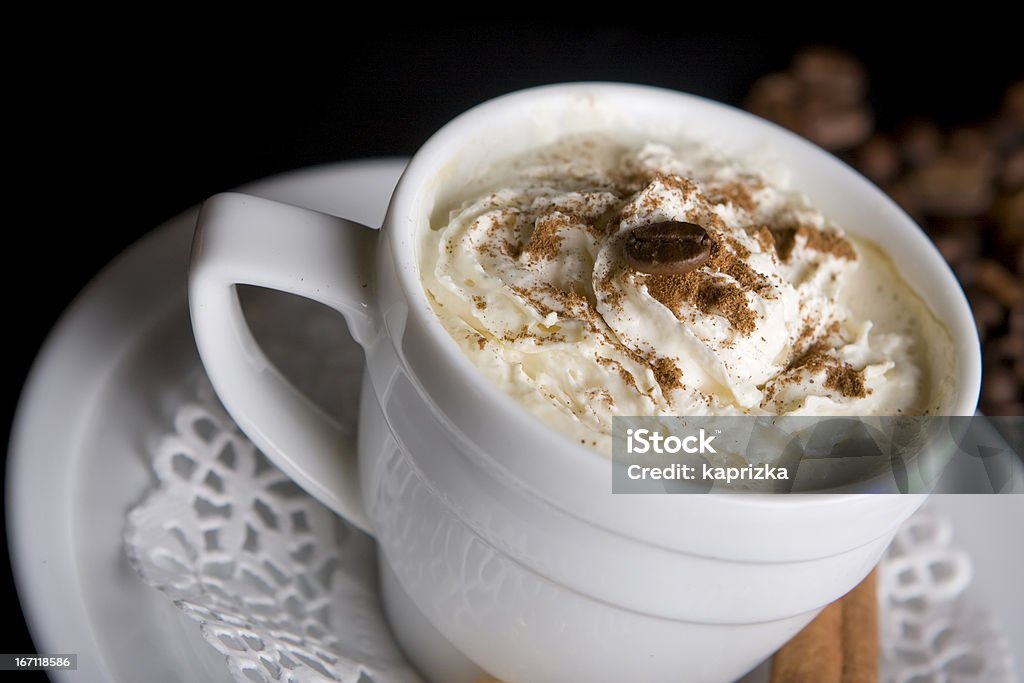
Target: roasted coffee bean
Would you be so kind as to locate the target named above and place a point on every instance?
(1008, 126)
(1014, 409)
(970, 225)
(901, 193)
(773, 90)
(966, 273)
(776, 97)
(668, 248)
(960, 246)
(836, 128)
(998, 386)
(1010, 215)
(1013, 102)
(878, 159)
(1017, 321)
(832, 73)
(976, 146)
(964, 186)
(1010, 346)
(988, 314)
(1007, 134)
(953, 187)
(920, 142)
(1015, 332)
(1012, 175)
(1000, 283)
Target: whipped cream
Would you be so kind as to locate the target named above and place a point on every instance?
(788, 316)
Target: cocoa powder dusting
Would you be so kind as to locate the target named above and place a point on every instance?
(624, 374)
(710, 294)
(547, 299)
(612, 299)
(707, 294)
(747, 278)
(502, 220)
(814, 359)
(523, 234)
(847, 381)
(736, 194)
(784, 240)
(825, 241)
(764, 237)
(806, 337)
(738, 248)
(546, 241)
(829, 241)
(667, 374)
(677, 182)
(840, 376)
(510, 249)
(525, 332)
(521, 333)
(604, 395)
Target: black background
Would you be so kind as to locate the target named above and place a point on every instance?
(116, 137)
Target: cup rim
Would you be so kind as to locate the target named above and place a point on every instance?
(401, 225)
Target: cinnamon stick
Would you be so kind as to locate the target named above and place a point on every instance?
(839, 646)
(815, 655)
(860, 632)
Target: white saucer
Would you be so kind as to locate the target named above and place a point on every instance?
(106, 381)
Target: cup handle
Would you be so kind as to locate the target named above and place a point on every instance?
(241, 239)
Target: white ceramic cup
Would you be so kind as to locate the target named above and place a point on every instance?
(501, 544)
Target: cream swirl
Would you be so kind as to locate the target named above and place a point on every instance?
(531, 281)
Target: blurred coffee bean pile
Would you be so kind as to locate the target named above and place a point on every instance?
(964, 186)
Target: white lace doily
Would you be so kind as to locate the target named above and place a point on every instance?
(929, 634)
(280, 585)
(286, 590)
